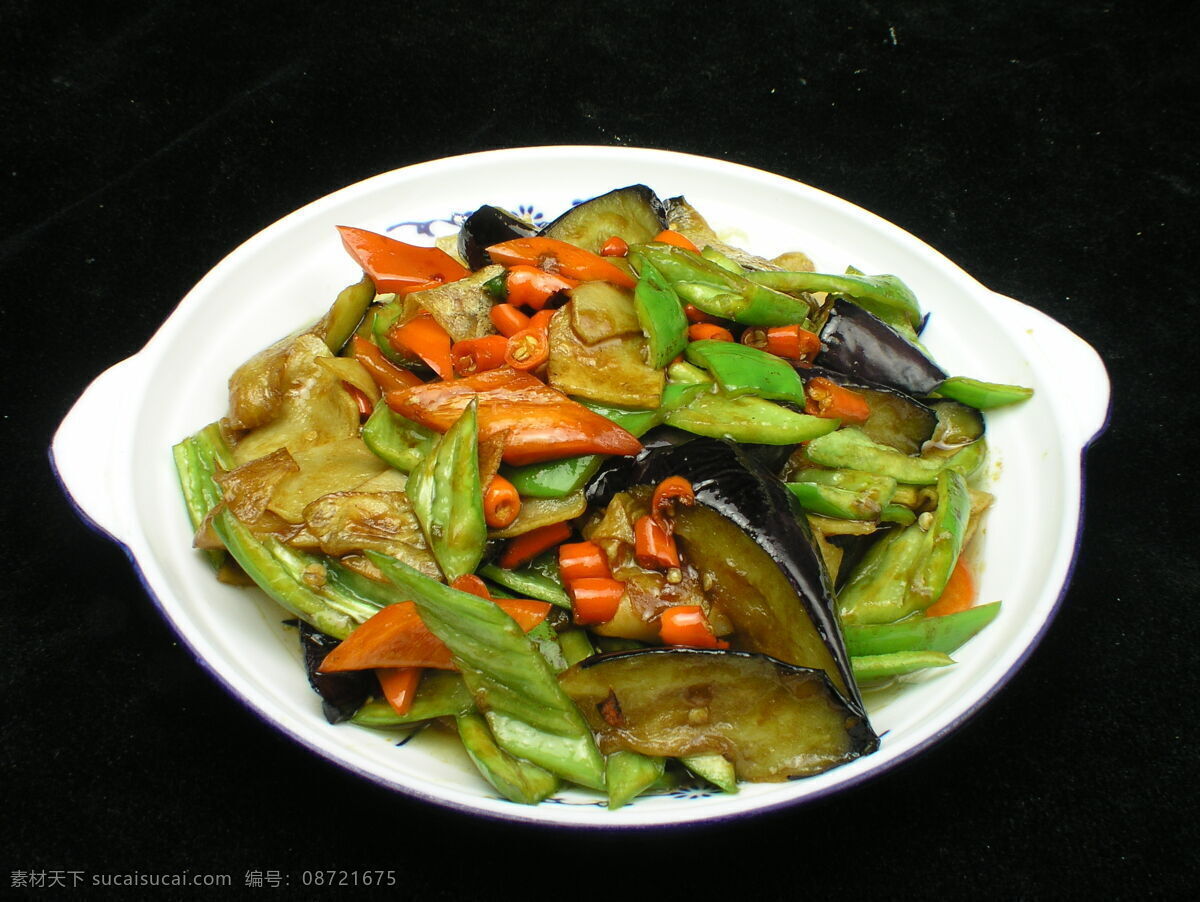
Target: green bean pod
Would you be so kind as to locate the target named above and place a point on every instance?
(877, 590)
(886, 296)
(876, 667)
(983, 395)
(693, 408)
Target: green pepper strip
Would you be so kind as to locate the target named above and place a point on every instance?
(661, 317)
(447, 498)
(885, 296)
(513, 686)
(945, 634)
(694, 408)
(742, 370)
(718, 291)
(850, 449)
(396, 440)
(875, 667)
(983, 395)
(559, 478)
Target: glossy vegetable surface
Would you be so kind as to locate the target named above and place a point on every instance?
(583, 499)
(772, 721)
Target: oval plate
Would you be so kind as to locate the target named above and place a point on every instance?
(112, 451)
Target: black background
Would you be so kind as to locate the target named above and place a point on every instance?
(1047, 148)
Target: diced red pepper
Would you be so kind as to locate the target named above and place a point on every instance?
(825, 398)
(475, 355)
(654, 547)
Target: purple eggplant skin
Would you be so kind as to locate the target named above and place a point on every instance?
(487, 226)
(744, 491)
(772, 719)
(857, 343)
(634, 213)
(341, 693)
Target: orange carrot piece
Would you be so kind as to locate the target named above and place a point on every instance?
(687, 625)
(794, 342)
(540, 422)
(708, 331)
(471, 584)
(695, 315)
(595, 599)
(670, 236)
(508, 319)
(958, 595)
(582, 560)
(527, 546)
(399, 685)
(423, 336)
(397, 637)
(501, 502)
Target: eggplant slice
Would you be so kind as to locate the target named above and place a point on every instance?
(633, 213)
(858, 343)
(487, 226)
(897, 419)
(773, 721)
(777, 591)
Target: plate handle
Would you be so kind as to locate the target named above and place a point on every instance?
(1076, 364)
(89, 452)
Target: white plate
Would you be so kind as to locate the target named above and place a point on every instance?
(112, 451)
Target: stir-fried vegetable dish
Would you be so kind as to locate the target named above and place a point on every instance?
(619, 504)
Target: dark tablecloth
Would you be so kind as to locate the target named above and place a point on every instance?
(1047, 148)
